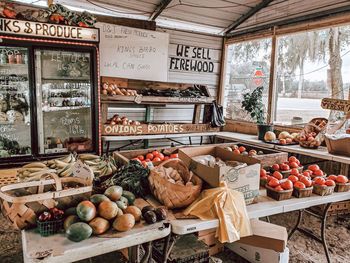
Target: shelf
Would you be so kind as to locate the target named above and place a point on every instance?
(154, 100)
(14, 65)
(50, 109)
(68, 78)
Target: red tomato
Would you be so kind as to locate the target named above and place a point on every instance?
(141, 157)
(298, 162)
(293, 178)
(307, 182)
(309, 171)
(275, 167)
(292, 159)
(299, 185)
(306, 173)
(166, 158)
(264, 177)
(155, 153)
(294, 172)
(285, 167)
(302, 138)
(237, 151)
(270, 177)
(293, 165)
(341, 179)
(174, 155)
(144, 164)
(277, 175)
(242, 149)
(318, 173)
(330, 183)
(274, 182)
(332, 177)
(263, 172)
(278, 188)
(156, 159)
(160, 156)
(149, 156)
(281, 165)
(147, 160)
(310, 139)
(289, 140)
(283, 141)
(319, 180)
(313, 167)
(287, 185)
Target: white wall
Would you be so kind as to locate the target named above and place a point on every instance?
(179, 113)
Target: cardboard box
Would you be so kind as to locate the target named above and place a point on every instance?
(266, 235)
(269, 158)
(245, 180)
(259, 255)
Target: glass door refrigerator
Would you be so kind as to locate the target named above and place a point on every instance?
(48, 98)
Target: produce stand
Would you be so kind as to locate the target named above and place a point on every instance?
(58, 249)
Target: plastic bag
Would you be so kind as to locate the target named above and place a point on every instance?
(217, 116)
(226, 205)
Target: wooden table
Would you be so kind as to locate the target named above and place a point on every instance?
(57, 248)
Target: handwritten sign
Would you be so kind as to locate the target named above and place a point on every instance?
(189, 58)
(80, 170)
(166, 128)
(36, 29)
(133, 53)
(335, 104)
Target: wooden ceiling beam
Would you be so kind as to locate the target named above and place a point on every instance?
(247, 15)
(159, 9)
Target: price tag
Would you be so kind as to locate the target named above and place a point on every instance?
(79, 169)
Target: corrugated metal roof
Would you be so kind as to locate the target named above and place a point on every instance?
(209, 16)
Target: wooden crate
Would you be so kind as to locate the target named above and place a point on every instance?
(269, 157)
(208, 237)
(339, 208)
(8, 176)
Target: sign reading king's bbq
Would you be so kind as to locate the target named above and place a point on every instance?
(37, 29)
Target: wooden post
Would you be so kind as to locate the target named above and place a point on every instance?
(272, 86)
(196, 113)
(221, 91)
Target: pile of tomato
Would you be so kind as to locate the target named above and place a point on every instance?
(154, 157)
(293, 163)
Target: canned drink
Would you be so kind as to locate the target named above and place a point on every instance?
(19, 58)
(11, 58)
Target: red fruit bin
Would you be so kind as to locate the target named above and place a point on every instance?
(278, 195)
(339, 187)
(323, 190)
(302, 192)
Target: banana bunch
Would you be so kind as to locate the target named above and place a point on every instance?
(33, 171)
(105, 166)
(61, 163)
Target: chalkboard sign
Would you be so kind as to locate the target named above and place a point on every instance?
(133, 53)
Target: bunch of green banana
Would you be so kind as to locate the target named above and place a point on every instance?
(33, 171)
(62, 162)
(104, 167)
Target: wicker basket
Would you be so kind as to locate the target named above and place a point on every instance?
(174, 195)
(339, 146)
(314, 126)
(21, 202)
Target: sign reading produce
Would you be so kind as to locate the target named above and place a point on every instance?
(167, 128)
(37, 29)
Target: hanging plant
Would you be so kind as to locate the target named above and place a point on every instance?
(253, 105)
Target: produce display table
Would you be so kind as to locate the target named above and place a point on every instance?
(57, 248)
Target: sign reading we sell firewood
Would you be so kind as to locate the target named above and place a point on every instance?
(335, 104)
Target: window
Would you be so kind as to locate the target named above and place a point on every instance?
(248, 67)
(309, 66)
(308, 69)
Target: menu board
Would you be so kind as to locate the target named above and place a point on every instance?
(133, 53)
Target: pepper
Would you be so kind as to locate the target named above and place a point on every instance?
(45, 216)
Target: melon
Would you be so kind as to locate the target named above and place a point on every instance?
(120, 212)
(124, 222)
(98, 199)
(71, 219)
(114, 192)
(99, 225)
(135, 211)
(270, 136)
(78, 232)
(86, 211)
(108, 209)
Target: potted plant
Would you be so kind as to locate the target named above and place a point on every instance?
(253, 105)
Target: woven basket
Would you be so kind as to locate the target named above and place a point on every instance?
(174, 195)
(313, 126)
(21, 202)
